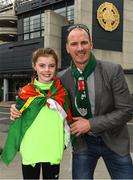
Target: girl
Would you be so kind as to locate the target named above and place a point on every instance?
(41, 133)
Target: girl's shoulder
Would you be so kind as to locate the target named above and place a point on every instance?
(27, 91)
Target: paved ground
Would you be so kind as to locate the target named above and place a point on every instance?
(13, 171)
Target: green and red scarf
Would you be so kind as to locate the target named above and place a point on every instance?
(82, 106)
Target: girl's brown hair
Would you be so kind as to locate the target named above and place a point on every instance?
(44, 52)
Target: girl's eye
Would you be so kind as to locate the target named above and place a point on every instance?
(42, 65)
(52, 65)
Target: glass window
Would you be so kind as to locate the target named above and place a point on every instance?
(70, 13)
(35, 23)
(26, 25)
(34, 26)
(42, 20)
(35, 34)
(26, 36)
(61, 11)
(66, 12)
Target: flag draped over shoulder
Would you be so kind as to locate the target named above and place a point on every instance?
(30, 101)
(56, 92)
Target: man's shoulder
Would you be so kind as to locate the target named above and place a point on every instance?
(63, 73)
(108, 66)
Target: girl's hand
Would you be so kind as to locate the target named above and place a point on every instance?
(14, 113)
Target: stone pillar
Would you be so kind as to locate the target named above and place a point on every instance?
(83, 13)
(52, 33)
(5, 90)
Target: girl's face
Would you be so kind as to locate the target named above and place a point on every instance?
(45, 68)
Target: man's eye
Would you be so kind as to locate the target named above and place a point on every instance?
(84, 42)
(73, 44)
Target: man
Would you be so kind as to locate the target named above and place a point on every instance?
(101, 107)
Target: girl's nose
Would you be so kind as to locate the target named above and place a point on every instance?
(47, 68)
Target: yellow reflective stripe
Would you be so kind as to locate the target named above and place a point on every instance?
(30, 99)
(28, 102)
(37, 90)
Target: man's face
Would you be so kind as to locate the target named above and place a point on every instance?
(79, 46)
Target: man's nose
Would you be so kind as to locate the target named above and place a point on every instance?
(79, 47)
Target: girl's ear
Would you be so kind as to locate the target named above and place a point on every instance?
(33, 66)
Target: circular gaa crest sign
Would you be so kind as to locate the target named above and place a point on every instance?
(108, 16)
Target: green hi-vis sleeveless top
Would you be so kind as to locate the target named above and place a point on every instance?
(44, 139)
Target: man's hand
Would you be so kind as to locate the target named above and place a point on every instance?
(80, 126)
(14, 113)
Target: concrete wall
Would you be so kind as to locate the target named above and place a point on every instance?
(83, 12)
(52, 33)
(8, 11)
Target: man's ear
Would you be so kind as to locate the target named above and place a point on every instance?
(91, 45)
(67, 49)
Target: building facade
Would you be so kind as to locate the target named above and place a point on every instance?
(43, 23)
(33, 31)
